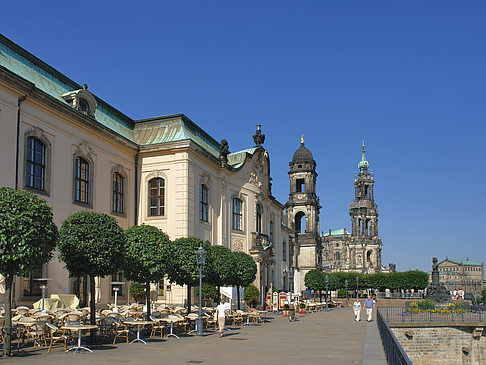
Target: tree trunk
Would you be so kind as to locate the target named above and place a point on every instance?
(218, 294)
(8, 314)
(92, 306)
(238, 296)
(320, 296)
(147, 299)
(189, 299)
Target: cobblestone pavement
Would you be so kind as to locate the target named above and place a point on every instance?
(316, 338)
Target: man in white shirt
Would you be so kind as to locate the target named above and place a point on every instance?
(221, 310)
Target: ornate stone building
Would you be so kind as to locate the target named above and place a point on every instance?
(76, 151)
(360, 249)
(303, 214)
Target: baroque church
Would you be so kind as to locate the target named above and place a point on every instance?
(356, 251)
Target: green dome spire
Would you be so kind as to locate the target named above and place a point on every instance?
(363, 164)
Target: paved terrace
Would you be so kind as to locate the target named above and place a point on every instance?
(316, 338)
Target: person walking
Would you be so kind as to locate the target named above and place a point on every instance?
(369, 304)
(221, 310)
(357, 309)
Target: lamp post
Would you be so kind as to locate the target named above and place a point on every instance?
(201, 260)
(326, 279)
(357, 279)
(346, 284)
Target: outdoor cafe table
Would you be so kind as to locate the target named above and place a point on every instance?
(192, 317)
(79, 328)
(172, 319)
(262, 313)
(139, 325)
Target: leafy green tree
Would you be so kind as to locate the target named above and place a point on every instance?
(27, 238)
(221, 267)
(147, 253)
(244, 273)
(208, 291)
(183, 266)
(91, 244)
(482, 299)
(251, 294)
(314, 280)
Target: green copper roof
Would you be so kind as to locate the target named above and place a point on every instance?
(52, 82)
(236, 159)
(337, 232)
(363, 164)
(463, 262)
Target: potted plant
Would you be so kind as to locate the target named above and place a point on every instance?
(302, 308)
(286, 309)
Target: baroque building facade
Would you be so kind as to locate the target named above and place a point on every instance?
(67, 145)
(360, 249)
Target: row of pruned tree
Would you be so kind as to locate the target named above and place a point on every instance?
(92, 244)
(414, 279)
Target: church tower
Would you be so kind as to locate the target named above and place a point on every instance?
(364, 220)
(303, 214)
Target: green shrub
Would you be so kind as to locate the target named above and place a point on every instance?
(137, 291)
(342, 293)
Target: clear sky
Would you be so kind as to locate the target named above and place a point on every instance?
(408, 77)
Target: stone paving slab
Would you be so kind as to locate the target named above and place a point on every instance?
(317, 338)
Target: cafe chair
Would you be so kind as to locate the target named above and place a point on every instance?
(56, 335)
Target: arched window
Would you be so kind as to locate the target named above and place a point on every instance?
(81, 180)
(270, 236)
(35, 174)
(157, 197)
(259, 218)
(118, 193)
(337, 255)
(237, 221)
(300, 222)
(204, 203)
(284, 251)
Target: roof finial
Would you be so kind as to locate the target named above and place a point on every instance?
(302, 139)
(259, 126)
(363, 164)
(259, 137)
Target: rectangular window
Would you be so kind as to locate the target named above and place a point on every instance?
(81, 180)
(36, 164)
(157, 197)
(259, 218)
(117, 278)
(237, 215)
(204, 203)
(118, 193)
(271, 232)
(284, 251)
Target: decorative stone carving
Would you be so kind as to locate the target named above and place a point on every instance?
(436, 291)
(156, 173)
(256, 171)
(237, 245)
(259, 137)
(84, 149)
(206, 179)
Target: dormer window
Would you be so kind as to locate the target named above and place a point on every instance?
(82, 100)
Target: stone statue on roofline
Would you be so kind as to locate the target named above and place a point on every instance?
(224, 151)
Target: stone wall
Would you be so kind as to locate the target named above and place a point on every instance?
(452, 345)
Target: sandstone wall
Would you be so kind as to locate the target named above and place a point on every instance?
(443, 345)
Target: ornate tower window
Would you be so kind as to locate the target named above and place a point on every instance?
(204, 203)
(156, 197)
(35, 169)
(300, 186)
(237, 215)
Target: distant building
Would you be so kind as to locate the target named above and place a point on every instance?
(360, 249)
(462, 274)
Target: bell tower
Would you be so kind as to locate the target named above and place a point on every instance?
(364, 219)
(303, 214)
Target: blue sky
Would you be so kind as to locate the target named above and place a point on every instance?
(407, 77)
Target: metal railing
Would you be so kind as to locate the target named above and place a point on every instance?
(395, 295)
(414, 314)
(394, 352)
